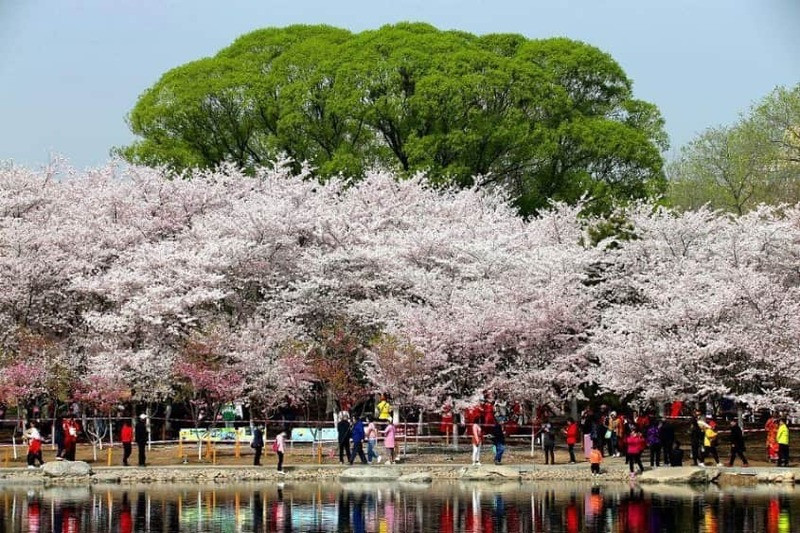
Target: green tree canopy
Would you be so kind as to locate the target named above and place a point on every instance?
(548, 119)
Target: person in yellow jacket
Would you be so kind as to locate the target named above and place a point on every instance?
(710, 444)
(384, 409)
(783, 443)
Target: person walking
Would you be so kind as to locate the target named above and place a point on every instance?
(612, 431)
(635, 445)
(34, 445)
(782, 437)
(126, 438)
(771, 428)
(477, 441)
(595, 459)
(572, 435)
(587, 423)
(280, 449)
(499, 441)
(389, 441)
(676, 455)
(372, 442)
(141, 437)
(58, 438)
(343, 434)
(384, 409)
(696, 438)
(654, 443)
(549, 443)
(71, 430)
(710, 445)
(358, 442)
(667, 434)
(258, 445)
(737, 443)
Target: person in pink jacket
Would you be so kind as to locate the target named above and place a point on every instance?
(477, 441)
(280, 448)
(635, 444)
(388, 441)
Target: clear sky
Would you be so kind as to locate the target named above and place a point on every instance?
(70, 70)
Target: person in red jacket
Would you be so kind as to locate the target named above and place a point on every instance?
(71, 431)
(572, 433)
(126, 437)
(635, 446)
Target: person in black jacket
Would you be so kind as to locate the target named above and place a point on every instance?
(258, 445)
(667, 434)
(499, 441)
(696, 438)
(737, 443)
(343, 434)
(141, 437)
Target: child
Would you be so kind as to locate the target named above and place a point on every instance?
(710, 444)
(595, 458)
(388, 441)
(676, 455)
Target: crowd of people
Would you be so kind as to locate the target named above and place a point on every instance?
(609, 434)
(65, 436)
(601, 433)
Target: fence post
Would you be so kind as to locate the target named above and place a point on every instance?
(108, 460)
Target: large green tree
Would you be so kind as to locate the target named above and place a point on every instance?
(551, 119)
(736, 167)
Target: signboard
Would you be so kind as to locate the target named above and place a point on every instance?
(311, 434)
(216, 434)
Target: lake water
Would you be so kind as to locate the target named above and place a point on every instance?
(444, 507)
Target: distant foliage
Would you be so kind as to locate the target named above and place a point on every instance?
(257, 287)
(740, 166)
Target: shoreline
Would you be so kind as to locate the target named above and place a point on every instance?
(411, 473)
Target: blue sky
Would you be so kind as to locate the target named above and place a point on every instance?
(70, 70)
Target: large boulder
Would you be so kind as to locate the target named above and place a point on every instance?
(67, 469)
(488, 473)
(368, 474)
(679, 475)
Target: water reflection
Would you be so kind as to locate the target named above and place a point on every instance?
(445, 507)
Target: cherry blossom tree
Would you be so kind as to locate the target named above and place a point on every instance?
(256, 288)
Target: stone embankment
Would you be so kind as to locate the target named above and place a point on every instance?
(80, 473)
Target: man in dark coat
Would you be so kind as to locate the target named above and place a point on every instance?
(737, 443)
(258, 445)
(141, 437)
(343, 434)
(667, 434)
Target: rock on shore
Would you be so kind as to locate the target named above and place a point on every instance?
(488, 473)
(679, 475)
(365, 473)
(66, 469)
